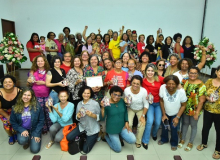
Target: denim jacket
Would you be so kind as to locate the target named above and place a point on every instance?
(37, 121)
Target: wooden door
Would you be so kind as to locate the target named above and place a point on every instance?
(7, 26)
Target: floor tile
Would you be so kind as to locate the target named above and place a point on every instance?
(149, 156)
(22, 157)
(68, 157)
(9, 149)
(193, 156)
(6, 157)
(119, 156)
(125, 150)
(101, 148)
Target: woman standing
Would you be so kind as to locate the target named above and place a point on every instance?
(132, 69)
(33, 46)
(50, 46)
(66, 31)
(60, 44)
(89, 122)
(144, 60)
(85, 59)
(161, 67)
(27, 119)
(212, 114)
(96, 49)
(105, 44)
(150, 48)
(124, 44)
(141, 44)
(88, 46)
(132, 48)
(67, 62)
(70, 45)
(39, 69)
(188, 48)
(138, 106)
(178, 49)
(117, 120)
(172, 68)
(8, 97)
(61, 116)
(159, 43)
(95, 70)
(195, 92)
(125, 58)
(152, 83)
(76, 81)
(173, 104)
(110, 32)
(54, 79)
(166, 50)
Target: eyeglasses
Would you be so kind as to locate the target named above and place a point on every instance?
(116, 95)
(131, 64)
(161, 65)
(193, 73)
(118, 63)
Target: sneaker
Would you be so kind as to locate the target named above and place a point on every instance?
(49, 144)
(98, 139)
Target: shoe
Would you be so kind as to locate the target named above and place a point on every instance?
(145, 146)
(98, 139)
(122, 142)
(49, 144)
(154, 138)
(26, 145)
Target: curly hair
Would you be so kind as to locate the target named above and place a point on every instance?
(34, 66)
(189, 61)
(176, 36)
(19, 106)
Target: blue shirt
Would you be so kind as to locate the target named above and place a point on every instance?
(126, 48)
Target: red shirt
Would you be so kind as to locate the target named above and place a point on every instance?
(32, 55)
(153, 89)
(122, 78)
(181, 49)
(141, 47)
(65, 68)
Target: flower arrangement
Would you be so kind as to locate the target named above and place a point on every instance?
(11, 50)
(211, 53)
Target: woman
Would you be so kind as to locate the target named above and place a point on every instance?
(159, 43)
(96, 49)
(95, 70)
(61, 116)
(138, 106)
(178, 48)
(188, 48)
(144, 60)
(128, 32)
(27, 119)
(119, 74)
(105, 55)
(92, 35)
(124, 44)
(8, 97)
(161, 67)
(66, 31)
(172, 68)
(132, 48)
(173, 104)
(166, 50)
(85, 59)
(70, 45)
(67, 62)
(150, 48)
(79, 43)
(132, 69)
(152, 83)
(195, 92)
(33, 47)
(50, 46)
(117, 120)
(141, 44)
(108, 65)
(88, 45)
(105, 44)
(60, 44)
(89, 122)
(125, 58)
(76, 81)
(39, 69)
(54, 79)
(110, 32)
(211, 114)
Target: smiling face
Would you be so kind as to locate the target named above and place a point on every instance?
(193, 74)
(107, 38)
(178, 40)
(67, 57)
(110, 32)
(98, 39)
(52, 36)
(125, 57)
(93, 36)
(63, 96)
(61, 37)
(118, 64)
(108, 64)
(129, 32)
(40, 62)
(105, 56)
(125, 37)
(184, 65)
(151, 40)
(171, 86)
(35, 38)
(66, 32)
(72, 39)
(115, 36)
(57, 63)
(142, 38)
(136, 84)
(168, 41)
(131, 65)
(8, 83)
(161, 38)
(26, 97)
(77, 62)
(116, 96)
(161, 65)
(173, 60)
(86, 94)
(89, 40)
(145, 58)
(85, 56)
(150, 72)
(94, 61)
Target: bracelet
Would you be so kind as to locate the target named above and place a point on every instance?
(178, 117)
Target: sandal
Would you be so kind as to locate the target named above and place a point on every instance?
(216, 155)
(181, 143)
(138, 145)
(49, 144)
(173, 148)
(11, 140)
(160, 142)
(201, 147)
(189, 147)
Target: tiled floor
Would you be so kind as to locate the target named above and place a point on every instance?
(101, 150)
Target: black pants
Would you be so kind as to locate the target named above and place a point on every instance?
(208, 119)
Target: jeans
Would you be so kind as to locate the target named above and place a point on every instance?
(182, 55)
(180, 125)
(114, 141)
(56, 132)
(60, 55)
(90, 140)
(154, 115)
(208, 119)
(54, 96)
(174, 135)
(34, 146)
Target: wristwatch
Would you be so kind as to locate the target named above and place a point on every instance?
(143, 115)
(178, 117)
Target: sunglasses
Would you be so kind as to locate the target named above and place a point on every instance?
(161, 65)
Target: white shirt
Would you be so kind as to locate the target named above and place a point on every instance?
(172, 103)
(138, 100)
(180, 76)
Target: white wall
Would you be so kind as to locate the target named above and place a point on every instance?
(211, 30)
(145, 16)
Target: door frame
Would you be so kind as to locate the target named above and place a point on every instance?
(2, 20)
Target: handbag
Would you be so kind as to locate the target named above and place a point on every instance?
(76, 145)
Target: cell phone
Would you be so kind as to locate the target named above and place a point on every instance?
(166, 122)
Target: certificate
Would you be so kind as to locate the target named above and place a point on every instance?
(95, 81)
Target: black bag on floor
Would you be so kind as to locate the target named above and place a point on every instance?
(76, 146)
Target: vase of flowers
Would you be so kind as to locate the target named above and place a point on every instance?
(211, 53)
(11, 52)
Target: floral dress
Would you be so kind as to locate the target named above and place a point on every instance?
(89, 72)
(132, 49)
(104, 48)
(193, 92)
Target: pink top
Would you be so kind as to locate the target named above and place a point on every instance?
(58, 45)
(40, 90)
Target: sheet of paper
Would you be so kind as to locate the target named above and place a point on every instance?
(94, 81)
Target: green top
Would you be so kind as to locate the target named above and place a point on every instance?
(70, 48)
(117, 115)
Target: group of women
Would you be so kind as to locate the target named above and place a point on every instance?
(141, 94)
